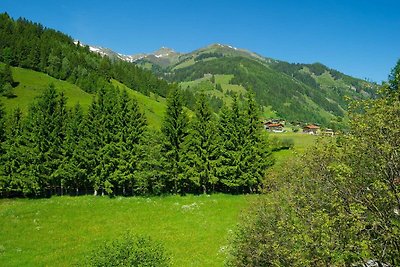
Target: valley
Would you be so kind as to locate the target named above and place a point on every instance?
(218, 156)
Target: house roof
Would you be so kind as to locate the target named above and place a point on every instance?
(311, 127)
(274, 124)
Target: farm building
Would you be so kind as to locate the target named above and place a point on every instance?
(274, 127)
(328, 132)
(311, 129)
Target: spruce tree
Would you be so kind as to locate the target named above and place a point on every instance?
(131, 125)
(231, 130)
(72, 168)
(46, 126)
(201, 149)
(17, 160)
(256, 154)
(2, 124)
(174, 129)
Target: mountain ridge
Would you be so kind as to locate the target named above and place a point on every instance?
(311, 93)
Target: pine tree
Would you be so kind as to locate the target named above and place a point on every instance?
(201, 149)
(2, 124)
(256, 154)
(174, 129)
(72, 169)
(17, 160)
(231, 129)
(46, 127)
(151, 175)
(95, 139)
(132, 126)
(245, 154)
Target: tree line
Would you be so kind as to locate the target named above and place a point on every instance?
(110, 150)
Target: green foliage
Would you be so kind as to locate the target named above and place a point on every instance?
(201, 150)
(175, 130)
(338, 205)
(6, 81)
(394, 77)
(2, 122)
(129, 250)
(245, 153)
(192, 228)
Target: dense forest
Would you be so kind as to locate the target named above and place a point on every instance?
(56, 150)
(337, 205)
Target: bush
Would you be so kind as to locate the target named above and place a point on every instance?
(278, 144)
(129, 250)
(287, 143)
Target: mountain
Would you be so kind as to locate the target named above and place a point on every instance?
(107, 52)
(312, 93)
(307, 93)
(163, 57)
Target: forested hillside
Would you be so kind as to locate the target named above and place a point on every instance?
(30, 45)
(296, 92)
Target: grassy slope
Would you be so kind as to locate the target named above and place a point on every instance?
(153, 107)
(32, 83)
(204, 84)
(60, 231)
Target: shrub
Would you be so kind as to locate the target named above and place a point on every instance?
(129, 250)
(287, 143)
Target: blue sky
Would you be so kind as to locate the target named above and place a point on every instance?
(360, 38)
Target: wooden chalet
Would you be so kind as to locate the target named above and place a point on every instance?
(311, 129)
(274, 127)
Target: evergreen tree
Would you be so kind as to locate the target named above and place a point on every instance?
(94, 141)
(151, 176)
(231, 130)
(46, 127)
(245, 153)
(2, 124)
(175, 130)
(72, 169)
(17, 160)
(6, 81)
(132, 128)
(201, 149)
(256, 154)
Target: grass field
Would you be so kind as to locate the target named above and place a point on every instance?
(32, 84)
(152, 107)
(60, 231)
(301, 143)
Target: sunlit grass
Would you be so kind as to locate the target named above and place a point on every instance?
(60, 231)
(33, 83)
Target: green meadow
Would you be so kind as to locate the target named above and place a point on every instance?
(61, 231)
(32, 83)
(301, 143)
